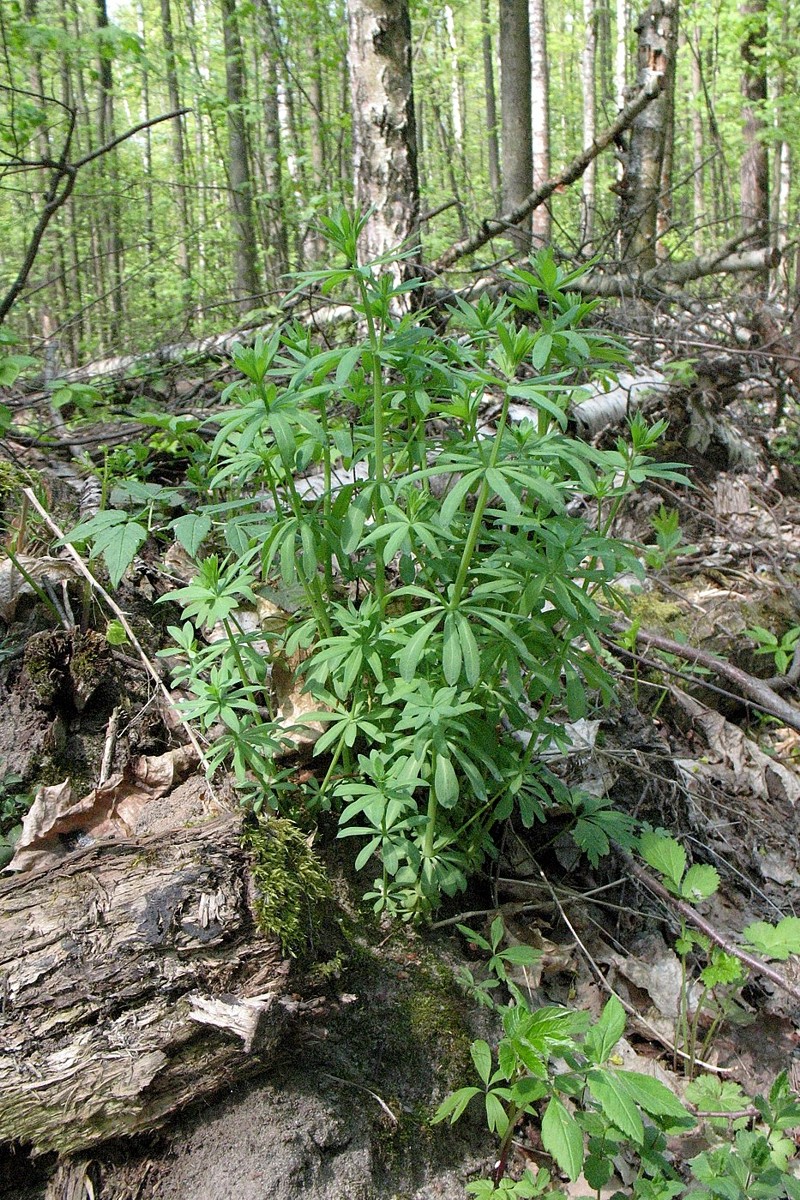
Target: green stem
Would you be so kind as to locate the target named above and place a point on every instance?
(378, 433)
(477, 516)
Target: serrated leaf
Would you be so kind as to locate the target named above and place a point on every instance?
(617, 1103)
(775, 941)
(481, 1055)
(191, 530)
(601, 1039)
(652, 1095)
(119, 552)
(665, 855)
(700, 882)
(453, 1106)
(562, 1137)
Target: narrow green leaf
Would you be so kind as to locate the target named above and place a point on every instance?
(445, 782)
(481, 1055)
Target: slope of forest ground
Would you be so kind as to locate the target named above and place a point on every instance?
(377, 1028)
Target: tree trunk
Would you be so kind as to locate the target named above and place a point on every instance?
(540, 116)
(245, 284)
(278, 248)
(178, 156)
(755, 161)
(589, 181)
(640, 187)
(698, 145)
(515, 104)
(491, 107)
(113, 215)
(384, 134)
(135, 981)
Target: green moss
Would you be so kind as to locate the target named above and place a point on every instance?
(654, 613)
(291, 884)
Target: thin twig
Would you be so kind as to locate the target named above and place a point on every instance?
(629, 1008)
(123, 620)
(362, 1088)
(693, 917)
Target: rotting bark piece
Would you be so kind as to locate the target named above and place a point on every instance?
(109, 968)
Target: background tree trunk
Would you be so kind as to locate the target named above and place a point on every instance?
(641, 186)
(754, 177)
(384, 132)
(490, 98)
(540, 115)
(245, 283)
(515, 104)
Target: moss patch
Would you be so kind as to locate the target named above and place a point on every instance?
(291, 883)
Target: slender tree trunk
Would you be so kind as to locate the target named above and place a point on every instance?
(540, 115)
(698, 145)
(515, 104)
(448, 149)
(640, 188)
(664, 214)
(754, 176)
(491, 107)
(245, 283)
(589, 181)
(110, 170)
(456, 90)
(384, 134)
(178, 156)
(149, 215)
(278, 249)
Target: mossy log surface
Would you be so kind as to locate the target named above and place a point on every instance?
(133, 980)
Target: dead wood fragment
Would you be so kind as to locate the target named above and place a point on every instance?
(134, 980)
(755, 690)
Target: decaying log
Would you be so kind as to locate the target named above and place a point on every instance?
(133, 980)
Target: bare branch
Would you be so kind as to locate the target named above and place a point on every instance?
(65, 173)
(498, 225)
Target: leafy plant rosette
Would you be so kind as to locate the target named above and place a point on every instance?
(441, 570)
(559, 1070)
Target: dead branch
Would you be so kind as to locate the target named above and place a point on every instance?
(497, 225)
(691, 915)
(65, 173)
(756, 690)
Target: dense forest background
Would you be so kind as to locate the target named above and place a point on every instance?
(197, 141)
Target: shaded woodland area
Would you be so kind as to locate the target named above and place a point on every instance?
(400, 604)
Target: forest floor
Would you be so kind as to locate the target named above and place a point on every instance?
(342, 1110)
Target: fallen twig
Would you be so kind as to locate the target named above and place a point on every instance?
(120, 615)
(694, 918)
(756, 690)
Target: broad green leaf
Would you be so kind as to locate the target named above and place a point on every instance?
(775, 941)
(191, 530)
(700, 882)
(119, 552)
(617, 1103)
(652, 1095)
(562, 1137)
(665, 855)
(601, 1039)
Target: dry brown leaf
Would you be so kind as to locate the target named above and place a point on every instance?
(14, 585)
(58, 823)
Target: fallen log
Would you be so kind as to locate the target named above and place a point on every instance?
(134, 979)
